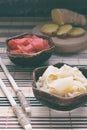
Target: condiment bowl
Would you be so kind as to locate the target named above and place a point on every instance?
(55, 101)
(25, 59)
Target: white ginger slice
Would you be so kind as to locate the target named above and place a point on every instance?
(61, 86)
(50, 70)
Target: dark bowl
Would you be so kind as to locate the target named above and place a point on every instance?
(36, 59)
(54, 101)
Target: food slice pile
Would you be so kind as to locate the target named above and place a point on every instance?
(29, 45)
(63, 31)
(65, 23)
(66, 81)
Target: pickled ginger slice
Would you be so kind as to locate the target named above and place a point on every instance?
(61, 86)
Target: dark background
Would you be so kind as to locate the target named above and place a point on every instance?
(36, 8)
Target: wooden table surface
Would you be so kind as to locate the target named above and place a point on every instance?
(42, 117)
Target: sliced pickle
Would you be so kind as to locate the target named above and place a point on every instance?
(49, 29)
(76, 32)
(64, 30)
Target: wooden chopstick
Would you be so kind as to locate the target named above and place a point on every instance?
(24, 103)
(22, 118)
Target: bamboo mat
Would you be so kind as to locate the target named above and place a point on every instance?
(42, 117)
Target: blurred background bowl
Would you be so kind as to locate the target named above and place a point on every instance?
(24, 59)
(54, 101)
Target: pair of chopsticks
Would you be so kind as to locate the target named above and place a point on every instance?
(22, 118)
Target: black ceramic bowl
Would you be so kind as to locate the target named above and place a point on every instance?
(54, 101)
(37, 59)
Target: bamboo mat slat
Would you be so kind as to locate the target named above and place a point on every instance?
(42, 117)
